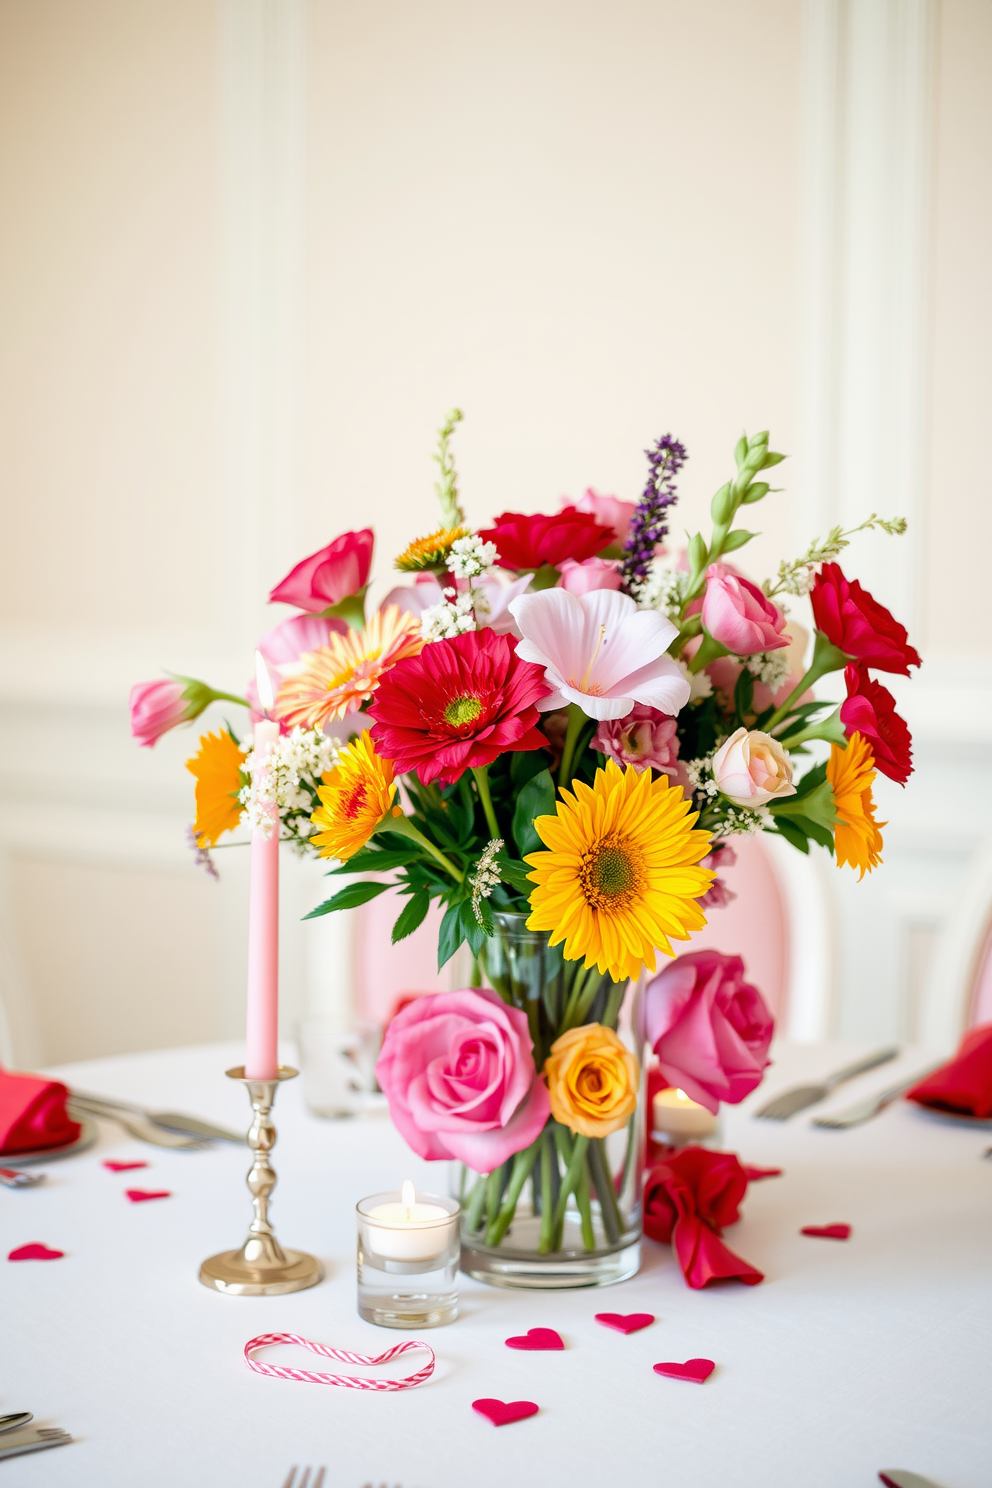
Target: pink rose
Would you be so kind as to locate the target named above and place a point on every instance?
(156, 707)
(752, 768)
(327, 577)
(739, 616)
(592, 573)
(645, 737)
(609, 510)
(709, 1028)
(458, 1071)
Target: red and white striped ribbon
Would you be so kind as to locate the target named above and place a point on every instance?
(349, 1381)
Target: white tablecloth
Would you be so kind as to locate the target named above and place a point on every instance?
(850, 1357)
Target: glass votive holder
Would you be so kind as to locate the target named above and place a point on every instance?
(408, 1255)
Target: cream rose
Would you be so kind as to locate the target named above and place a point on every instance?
(752, 768)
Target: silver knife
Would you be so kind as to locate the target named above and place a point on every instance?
(864, 1110)
(174, 1121)
(34, 1440)
(781, 1107)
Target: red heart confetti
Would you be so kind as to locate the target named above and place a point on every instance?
(537, 1338)
(753, 1173)
(697, 1370)
(828, 1232)
(140, 1195)
(503, 1412)
(122, 1167)
(35, 1252)
(625, 1322)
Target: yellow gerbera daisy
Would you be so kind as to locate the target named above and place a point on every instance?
(341, 676)
(620, 875)
(217, 768)
(354, 798)
(857, 835)
(430, 553)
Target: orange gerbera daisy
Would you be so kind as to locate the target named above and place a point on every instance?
(857, 838)
(354, 797)
(341, 676)
(217, 768)
(430, 554)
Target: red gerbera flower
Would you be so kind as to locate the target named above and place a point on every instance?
(531, 541)
(870, 709)
(456, 706)
(858, 625)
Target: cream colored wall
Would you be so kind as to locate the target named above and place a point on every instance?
(253, 251)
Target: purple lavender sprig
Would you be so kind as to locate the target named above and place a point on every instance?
(201, 855)
(649, 524)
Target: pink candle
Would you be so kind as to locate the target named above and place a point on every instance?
(262, 1036)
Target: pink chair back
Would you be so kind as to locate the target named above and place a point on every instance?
(384, 972)
(753, 926)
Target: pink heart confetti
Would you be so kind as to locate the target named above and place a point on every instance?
(828, 1232)
(625, 1322)
(537, 1338)
(697, 1370)
(35, 1252)
(141, 1195)
(503, 1412)
(122, 1167)
(754, 1173)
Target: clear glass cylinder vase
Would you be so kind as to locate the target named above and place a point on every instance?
(568, 1213)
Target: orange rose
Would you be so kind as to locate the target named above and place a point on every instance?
(592, 1080)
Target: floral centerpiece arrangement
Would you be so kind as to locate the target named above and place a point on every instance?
(555, 728)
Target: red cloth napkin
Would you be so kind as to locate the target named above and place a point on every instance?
(33, 1114)
(688, 1199)
(965, 1083)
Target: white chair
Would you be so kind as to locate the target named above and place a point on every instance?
(958, 990)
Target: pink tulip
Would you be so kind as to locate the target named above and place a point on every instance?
(157, 707)
(739, 616)
(644, 738)
(592, 573)
(328, 577)
(709, 1028)
(609, 510)
(457, 1069)
(600, 651)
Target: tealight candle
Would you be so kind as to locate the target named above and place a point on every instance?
(408, 1254)
(407, 1231)
(677, 1115)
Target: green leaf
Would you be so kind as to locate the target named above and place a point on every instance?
(756, 491)
(743, 694)
(536, 799)
(349, 898)
(771, 459)
(515, 873)
(412, 915)
(816, 805)
(740, 451)
(371, 860)
(811, 780)
(793, 834)
(449, 937)
(737, 539)
(524, 765)
(471, 930)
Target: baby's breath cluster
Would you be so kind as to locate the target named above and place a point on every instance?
(453, 616)
(486, 876)
(662, 588)
(471, 557)
(464, 608)
(769, 667)
(289, 782)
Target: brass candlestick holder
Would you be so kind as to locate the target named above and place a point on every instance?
(261, 1268)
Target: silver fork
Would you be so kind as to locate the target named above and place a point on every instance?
(304, 1481)
(800, 1096)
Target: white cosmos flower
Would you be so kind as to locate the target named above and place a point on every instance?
(600, 651)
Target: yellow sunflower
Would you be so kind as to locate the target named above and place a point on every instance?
(430, 554)
(341, 676)
(857, 835)
(217, 768)
(354, 797)
(621, 872)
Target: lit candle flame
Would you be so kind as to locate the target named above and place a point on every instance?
(263, 682)
(408, 1197)
(681, 1095)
